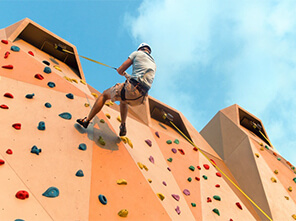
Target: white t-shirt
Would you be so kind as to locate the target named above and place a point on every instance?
(144, 67)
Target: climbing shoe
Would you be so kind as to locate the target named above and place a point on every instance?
(83, 122)
(122, 130)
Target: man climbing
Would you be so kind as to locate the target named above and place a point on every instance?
(133, 91)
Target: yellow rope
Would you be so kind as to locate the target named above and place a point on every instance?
(220, 170)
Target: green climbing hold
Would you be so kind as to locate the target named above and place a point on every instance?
(176, 141)
(193, 204)
(192, 168)
(189, 179)
(216, 211)
(170, 159)
(279, 159)
(66, 116)
(82, 146)
(51, 192)
(266, 147)
(217, 198)
(102, 121)
(169, 142)
(101, 141)
(51, 84)
(205, 177)
(294, 179)
(79, 173)
(48, 105)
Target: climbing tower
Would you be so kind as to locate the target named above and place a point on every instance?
(53, 169)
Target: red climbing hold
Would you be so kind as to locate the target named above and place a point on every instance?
(9, 151)
(7, 66)
(2, 162)
(218, 174)
(238, 205)
(214, 163)
(3, 106)
(9, 95)
(198, 179)
(4, 42)
(195, 149)
(198, 167)
(39, 76)
(31, 53)
(181, 151)
(22, 194)
(6, 54)
(217, 185)
(206, 166)
(17, 126)
(209, 200)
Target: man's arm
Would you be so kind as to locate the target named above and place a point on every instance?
(125, 65)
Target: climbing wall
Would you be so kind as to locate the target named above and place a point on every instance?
(53, 169)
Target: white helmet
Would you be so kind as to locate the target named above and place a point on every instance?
(144, 45)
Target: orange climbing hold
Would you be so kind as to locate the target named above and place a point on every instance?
(8, 66)
(17, 126)
(22, 194)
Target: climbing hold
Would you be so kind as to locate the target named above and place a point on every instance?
(239, 205)
(178, 210)
(46, 62)
(294, 216)
(169, 142)
(30, 96)
(161, 196)
(196, 178)
(129, 142)
(123, 213)
(41, 125)
(22, 194)
(118, 118)
(195, 149)
(266, 147)
(51, 84)
(67, 78)
(82, 81)
(124, 140)
(170, 159)
(287, 198)
(79, 173)
(149, 142)
(51, 192)
(47, 70)
(8, 66)
(149, 180)
(86, 104)
(176, 197)
(192, 168)
(257, 155)
(15, 48)
(66, 116)
(273, 180)
(218, 174)
(276, 171)
(140, 165)
(101, 141)
(164, 183)
(217, 198)
(82, 146)
(213, 162)
(294, 179)
(48, 105)
(151, 159)
(7, 53)
(70, 96)
(217, 185)
(216, 211)
(206, 166)
(205, 177)
(121, 182)
(9, 151)
(110, 103)
(108, 116)
(102, 199)
(186, 192)
(169, 169)
(181, 151)
(102, 121)
(74, 80)
(209, 200)
(193, 204)
(4, 42)
(39, 76)
(279, 159)
(35, 150)
(3, 106)
(2, 162)
(146, 168)
(275, 154)
(95, 95)
(174, 150)
(17, 126)
(189, 179)
(19, 220)
(290, 188)
(8, 95)
(157, 134)
(30, 53)
(176, 141)
(198, 167)
(58, 68)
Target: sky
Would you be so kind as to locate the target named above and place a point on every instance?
(209, 54)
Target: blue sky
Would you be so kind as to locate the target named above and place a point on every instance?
(209, 54)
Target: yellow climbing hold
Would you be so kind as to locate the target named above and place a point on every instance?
(140, 165)
(149, 180)
(262, 149)
(276, 171)
(67, 78)
(108, 116)
(287, 198)
(294, 216)
(74, 80)
(101, 141)
(95, 95)
(123, 213)
(124, 139)
(146, 168)
(290, 188)
(121, 182)
(161, 196)
(129, 142)
(86, 104)
(273, 180)
(118, 118)
(58, 68)
(261, 144)
(110, 103)
(82, 81)
(257, 155)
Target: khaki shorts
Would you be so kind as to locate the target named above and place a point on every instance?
(132, 95)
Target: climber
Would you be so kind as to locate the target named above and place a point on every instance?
(133, 91)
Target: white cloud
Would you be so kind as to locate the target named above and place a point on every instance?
(211, 54)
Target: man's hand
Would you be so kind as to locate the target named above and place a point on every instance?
(121, 70)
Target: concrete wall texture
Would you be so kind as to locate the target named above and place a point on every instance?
(53, 169)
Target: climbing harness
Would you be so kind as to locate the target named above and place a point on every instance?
(169, 117)
(138, 86)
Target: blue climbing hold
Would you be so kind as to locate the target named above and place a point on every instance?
(103, 199)
(47, 70)
(19, 220)
(35, 150)
(30, 96)
(79, 173)
(70, 96)
(48, 105)
(66, 116)
(15, 48)
(82, 146)
(41, 125)
(51, 84)
(51, 192)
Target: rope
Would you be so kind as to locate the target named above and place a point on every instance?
(220, 170)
